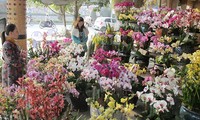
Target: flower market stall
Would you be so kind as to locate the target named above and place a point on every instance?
(149, 69)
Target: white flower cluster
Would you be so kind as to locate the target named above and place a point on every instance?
(73, 49)
(160, 91)
(70, 57)
(90, 73)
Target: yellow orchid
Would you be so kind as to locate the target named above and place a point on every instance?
(192, 81)
(118, 106)
(197, 10)
(130, 33)
(114, 108)
(195, 57)
(168, 39)
(123, 100)
(176, 44)
(100, 118)
(111, 104)
(101, 109)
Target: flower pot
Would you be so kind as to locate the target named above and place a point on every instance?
(126, 39)
(176, 31)
(142, 60)
(144, 27)
(107, 47)
(186, 114)
(80, 103)
(124, 57)
(185, 48)
(96, 112)
(159, 32)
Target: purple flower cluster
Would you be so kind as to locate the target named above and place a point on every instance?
(125, 4)
(67, 40)
(141, 38)
(55, 47)
(111, 74)
(101, 55)
(123, 7)
(166, 18)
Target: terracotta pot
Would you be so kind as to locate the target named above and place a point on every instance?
(159, 32)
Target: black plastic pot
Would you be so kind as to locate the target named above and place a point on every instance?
(186, 114)
(107, 47)
(79, 103)
(143, 61)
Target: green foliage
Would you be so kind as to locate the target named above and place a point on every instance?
(69, 7)
(35, 53)
(191, 83)
(35, 3)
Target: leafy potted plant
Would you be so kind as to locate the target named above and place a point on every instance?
(190, 109)
(104, 40)
(160, 95)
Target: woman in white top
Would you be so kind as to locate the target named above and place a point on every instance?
(80, 32)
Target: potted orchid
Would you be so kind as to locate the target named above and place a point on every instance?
(74, 62)
(163, 50)
(126, 44)
(40, 94)
(109, 75)
(191, 88)
(141, 46)
(122, 110)
(50, 50)
(123, 7)
(104, 40)
(8, 104)
(45, 84)
(160, 95)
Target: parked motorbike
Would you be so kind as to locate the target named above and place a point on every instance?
(48, 23)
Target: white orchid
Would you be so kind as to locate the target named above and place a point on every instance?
(147, 97)
(170, 72)
(160, 106)
(161, 91)
(90, 73)
(139, 94)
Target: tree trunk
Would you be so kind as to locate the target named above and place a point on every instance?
(62, 9)
(113, 2)
(77, 7)
(172, 3)
(139, 3)
(76, 10)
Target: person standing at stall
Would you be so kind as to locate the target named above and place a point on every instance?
(80, 33)
(13, 57)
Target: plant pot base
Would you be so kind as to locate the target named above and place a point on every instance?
(186, 114)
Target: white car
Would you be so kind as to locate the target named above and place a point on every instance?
(101, 22)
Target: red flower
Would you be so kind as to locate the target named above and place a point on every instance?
(105, 72)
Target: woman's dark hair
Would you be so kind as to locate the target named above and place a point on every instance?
(79, 19)
(9, 28)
